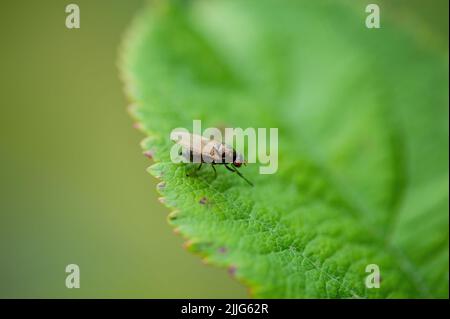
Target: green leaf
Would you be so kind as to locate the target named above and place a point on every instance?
(363, 143)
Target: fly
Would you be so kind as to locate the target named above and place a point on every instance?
(211, 152)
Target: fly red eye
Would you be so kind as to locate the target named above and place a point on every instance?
(237, 164)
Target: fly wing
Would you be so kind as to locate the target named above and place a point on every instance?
(196, 145)
(211, 151)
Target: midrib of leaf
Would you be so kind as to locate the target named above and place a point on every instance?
(358, 207)
(384, 239)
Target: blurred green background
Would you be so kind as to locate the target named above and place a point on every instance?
(73, 182)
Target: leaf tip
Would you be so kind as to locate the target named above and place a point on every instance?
(149, 154)
(161, 186)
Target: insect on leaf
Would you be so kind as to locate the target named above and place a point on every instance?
(363, 142)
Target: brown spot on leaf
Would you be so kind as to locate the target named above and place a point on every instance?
(232, 270)
(203, 201)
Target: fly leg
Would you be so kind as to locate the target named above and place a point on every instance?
(234, 170)
(229, 168)
(215, 172)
